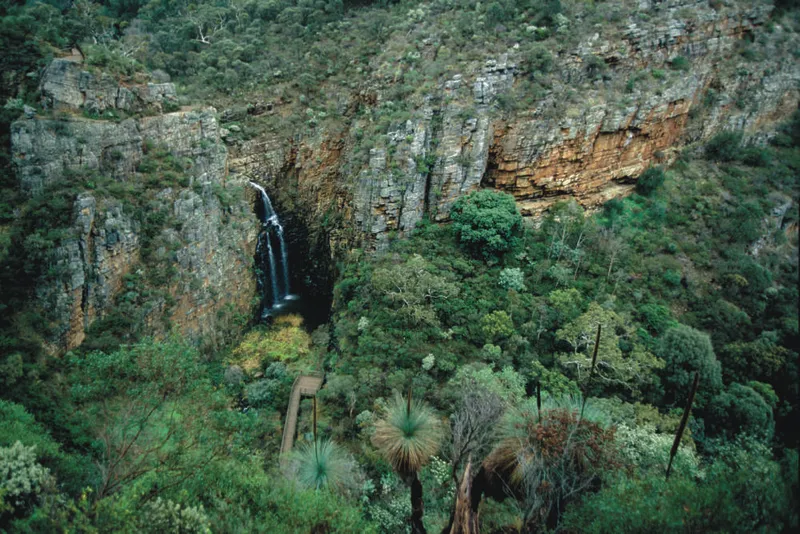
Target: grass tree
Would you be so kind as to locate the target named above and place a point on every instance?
(323, 464)
(550, 456)
(407, 437)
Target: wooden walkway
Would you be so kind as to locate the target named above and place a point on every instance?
(304, 385)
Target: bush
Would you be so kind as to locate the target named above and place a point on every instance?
(647, 451)
(22, 478)
(596, 67)
(680, 63)
(512, 278)
(539, 59)
(167, 516)
(487, 223)
(272, 390)
(724, 146)
(497, 326)
(740, 409)
(756, 157)
(686, 351)
(789, 134)
(649, 181)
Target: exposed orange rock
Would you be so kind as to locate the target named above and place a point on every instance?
(591, 167)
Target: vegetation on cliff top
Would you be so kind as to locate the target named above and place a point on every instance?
(462, 357)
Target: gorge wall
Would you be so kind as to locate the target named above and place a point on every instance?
(581, 126)
(199, 231)
(612, 105)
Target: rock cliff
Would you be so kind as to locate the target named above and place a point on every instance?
(626, 97)
(195, 227)
(578, 122)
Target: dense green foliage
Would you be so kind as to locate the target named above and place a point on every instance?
(437, 348)
(687, 351)
(673, 296)
(487, 224)
(650, 180)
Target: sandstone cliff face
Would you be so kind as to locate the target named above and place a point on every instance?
(208, 244)
(613, 104)
(66, 86)
(613, 107)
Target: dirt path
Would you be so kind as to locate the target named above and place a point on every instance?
(304, 385)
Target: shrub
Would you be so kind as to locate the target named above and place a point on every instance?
(680, 63)
(789, 134)
(724, 146)
(163, 515)
(740, 409)
(539, 59)
(497, 326)
(512, 278)
(657, 317)
(756, 157)
(507, 384)
(22, 478)
(649, 181)
(487, 223)
(273, 389)
(647, 451)
(613, 209)
(595, 67)
(686, 351)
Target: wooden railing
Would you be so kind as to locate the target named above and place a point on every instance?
(304, 385)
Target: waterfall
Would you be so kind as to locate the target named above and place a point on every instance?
(278, 264)
(273, 277)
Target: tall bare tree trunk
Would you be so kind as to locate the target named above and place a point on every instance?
(417, 506)
(465, 517)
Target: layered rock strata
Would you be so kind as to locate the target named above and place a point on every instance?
(615, 103)
(208, 243)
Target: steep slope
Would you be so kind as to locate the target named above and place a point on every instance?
(154, 220)
(582, 122)
(543, 121)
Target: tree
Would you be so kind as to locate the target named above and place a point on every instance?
(472, 427)
(407, 436)
(150, 408)
(686, 350)
(563, 224)
(613, 367)
(649, 181)
(487, 223)
(497, 326)
(414, 285)
(512, 278)
(322, 464)
(742, 491)
(613, 245)
(739, 409)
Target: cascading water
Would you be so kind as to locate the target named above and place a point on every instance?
(275, 291)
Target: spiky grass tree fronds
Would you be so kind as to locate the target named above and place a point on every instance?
(574, 404)
(325, 466)
(528, 432)
(547, 458)
(408, 435)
